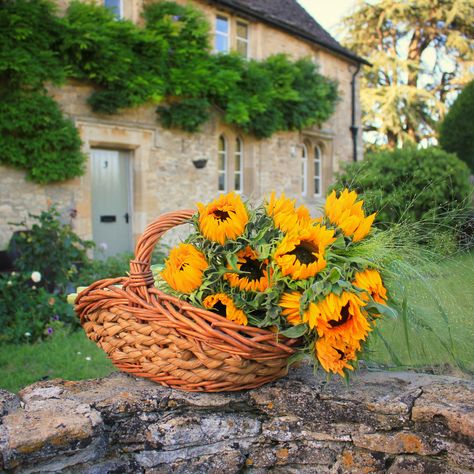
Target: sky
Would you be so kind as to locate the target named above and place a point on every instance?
(328, 13)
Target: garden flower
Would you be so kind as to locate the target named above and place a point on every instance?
(88, 358)
(27, 334)
(340, 317)
(9, 283)
(348, 214)
(223, 219)
(36, 277)
(301, 253)
(256, 276)
(370, 281)
(290, 302)
(184, 268)
(335, 354)
(224, 306)
(50, 330)
(285, 216)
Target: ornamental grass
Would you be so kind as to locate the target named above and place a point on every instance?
(275, 267)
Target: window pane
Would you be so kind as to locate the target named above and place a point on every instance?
(238, 145)
(242, 48)
(237, 183)
(222, 144)
(113, 5)
(316, 168)
(304, 167)
(242, 30)
(237, 162)
(317, 186)
(222, 43)
(221, 162)
(221, 182)
(222, 25)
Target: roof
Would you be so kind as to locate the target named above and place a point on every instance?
(292, 17)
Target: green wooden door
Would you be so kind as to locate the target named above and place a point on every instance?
(111, 209)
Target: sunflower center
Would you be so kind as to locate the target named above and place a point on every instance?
(252, 268)
(220, 215)
(345, 315)
(220, 308)
(304, 252)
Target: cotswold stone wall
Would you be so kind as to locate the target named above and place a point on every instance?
(381, 422)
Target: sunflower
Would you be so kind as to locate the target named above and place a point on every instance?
(370, 281)
(224, 218)
(335, 354)
(223, 305)
(301, 252)
(290, 302)
(255, 276)
(285, 216)
(184, 268)
(348, 214)
(340, 317)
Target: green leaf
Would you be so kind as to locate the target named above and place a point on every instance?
(382, 309)
(295, 332)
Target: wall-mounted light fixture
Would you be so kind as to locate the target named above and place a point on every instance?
(200, 163)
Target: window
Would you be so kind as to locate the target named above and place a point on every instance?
(222, 34)
(304, 169)
(242, 39)
(317, 171)
(238, 166)
(230, 164)
(222, 164)
(115, 6)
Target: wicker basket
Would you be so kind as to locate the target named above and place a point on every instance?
(150, 334)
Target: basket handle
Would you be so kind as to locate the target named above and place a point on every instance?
(141, 276)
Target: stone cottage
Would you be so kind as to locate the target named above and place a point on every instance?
(138, 170)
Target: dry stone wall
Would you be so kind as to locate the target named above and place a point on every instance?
(381, 422)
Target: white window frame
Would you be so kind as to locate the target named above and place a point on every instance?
(240, 171)
(304, 169)
(119, 15)
(243, 40)
(318, 160)
(224, 171)
(216, 33)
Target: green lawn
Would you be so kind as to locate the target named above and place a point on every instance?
(68, 356)
(437, 339)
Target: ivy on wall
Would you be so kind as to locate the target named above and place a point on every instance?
(167, 62)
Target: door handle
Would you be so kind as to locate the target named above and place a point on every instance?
(127, 217)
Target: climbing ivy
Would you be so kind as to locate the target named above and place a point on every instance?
(167, 61)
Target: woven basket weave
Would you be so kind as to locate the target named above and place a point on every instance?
(151, 334)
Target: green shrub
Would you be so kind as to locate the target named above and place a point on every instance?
(30, 32)
(409, 184)
(35, 136)
(457, 131)
(28, 311)
(50, 248)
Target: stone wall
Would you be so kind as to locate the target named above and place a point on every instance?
(381, 422)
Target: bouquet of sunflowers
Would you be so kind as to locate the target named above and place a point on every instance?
(276, 267)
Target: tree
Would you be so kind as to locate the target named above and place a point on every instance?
(456, 133)
(421, 51)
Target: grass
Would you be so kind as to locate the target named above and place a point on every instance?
(64, 355)
(436, 328)
(436, 331)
